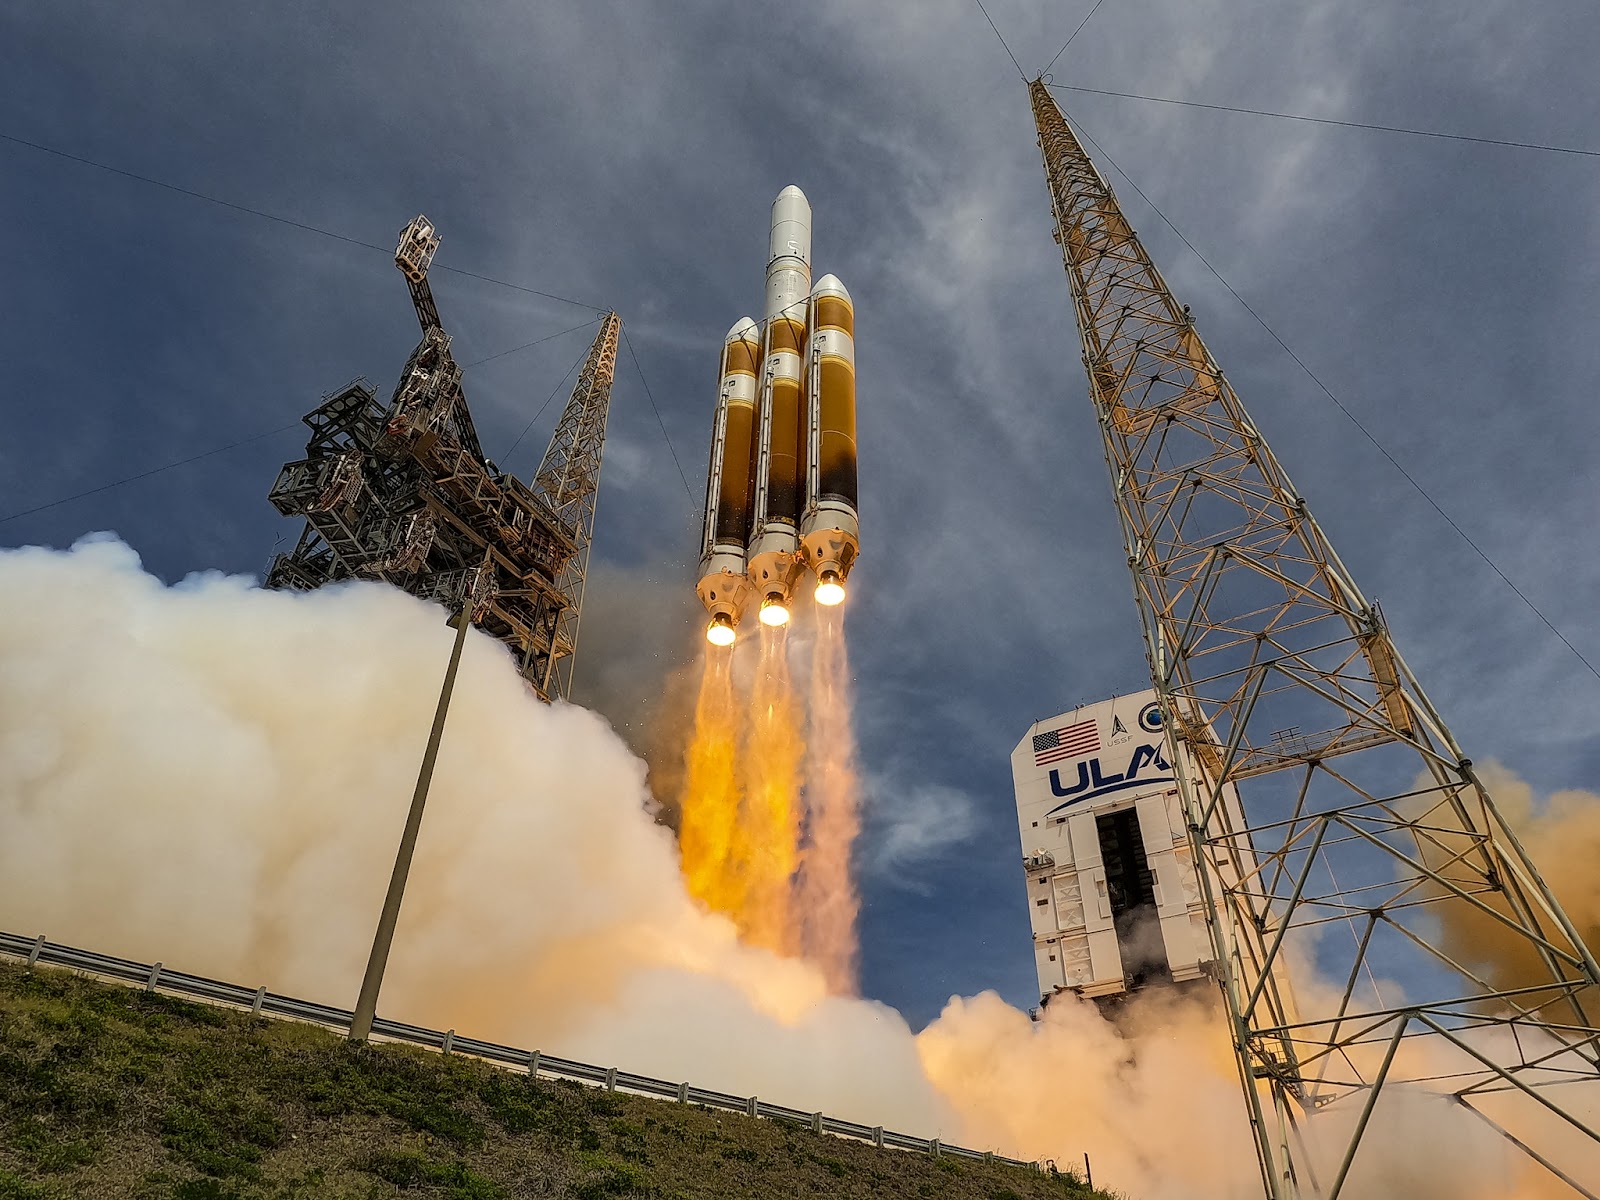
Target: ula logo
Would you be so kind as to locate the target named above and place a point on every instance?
(1091, 782)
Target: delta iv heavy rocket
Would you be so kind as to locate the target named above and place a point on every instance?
(781, 490)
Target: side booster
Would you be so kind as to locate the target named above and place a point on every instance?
(830, 533)
(781, 489)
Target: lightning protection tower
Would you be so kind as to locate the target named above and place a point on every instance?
(403, 493)
(1365, 832)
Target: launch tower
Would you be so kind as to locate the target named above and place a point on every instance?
(1362, 825)
(403, 493)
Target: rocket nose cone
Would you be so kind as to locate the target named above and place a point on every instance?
(744, 329)
(792, 193)
(829, 285)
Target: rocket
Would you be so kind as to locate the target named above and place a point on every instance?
(781, 487)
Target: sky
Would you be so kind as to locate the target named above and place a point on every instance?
(625, 155)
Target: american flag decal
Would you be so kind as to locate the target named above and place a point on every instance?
(1072, 741)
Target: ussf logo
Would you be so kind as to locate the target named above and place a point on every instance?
(1102, 769)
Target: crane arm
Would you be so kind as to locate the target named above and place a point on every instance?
(418, 242)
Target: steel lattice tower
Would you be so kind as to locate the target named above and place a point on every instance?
(569, 481)
(403, 493)
(1359, 833)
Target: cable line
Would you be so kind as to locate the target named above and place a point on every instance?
(506, 457)
(529, 345)
(997, 34)
(1354, 420)
(629, 343)
(328, 233)
(183, 462)
(1258, 112)
(267, 216)
(1068, 42)
(106, 487)
(599, 309)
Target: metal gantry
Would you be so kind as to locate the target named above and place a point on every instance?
(403, 493)
(1362, 836)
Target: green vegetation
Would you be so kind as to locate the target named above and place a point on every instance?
(107, 1092)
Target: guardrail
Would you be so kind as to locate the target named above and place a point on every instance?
(154, 977)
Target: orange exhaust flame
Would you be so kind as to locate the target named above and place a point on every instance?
(711, 792)
(769, 829)
(749, 789)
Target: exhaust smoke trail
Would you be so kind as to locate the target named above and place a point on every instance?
(826, 902)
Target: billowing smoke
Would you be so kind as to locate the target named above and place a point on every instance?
(1563, 839)
(215, 777)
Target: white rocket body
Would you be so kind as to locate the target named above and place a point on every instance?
(789, 252)
(779, 496)
(781, 493)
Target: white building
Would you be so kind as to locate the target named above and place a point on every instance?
(1111, 884)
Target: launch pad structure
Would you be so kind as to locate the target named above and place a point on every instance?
(403, 493)
(1362, 828)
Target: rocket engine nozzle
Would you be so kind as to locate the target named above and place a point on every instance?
(775, 609)
(830, 589)
(724, 589)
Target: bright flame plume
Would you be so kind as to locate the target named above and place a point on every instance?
(711, 793)
(767, 823)
(769, 827)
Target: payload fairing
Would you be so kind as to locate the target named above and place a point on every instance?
(781, 490)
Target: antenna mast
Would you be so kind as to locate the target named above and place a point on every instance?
(568, 480)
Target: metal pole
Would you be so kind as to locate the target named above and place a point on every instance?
(367, 1005)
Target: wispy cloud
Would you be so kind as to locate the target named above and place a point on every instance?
(911, 825)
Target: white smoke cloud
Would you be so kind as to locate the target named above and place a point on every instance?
(215, 777)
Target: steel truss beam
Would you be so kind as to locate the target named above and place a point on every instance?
(1255, 630)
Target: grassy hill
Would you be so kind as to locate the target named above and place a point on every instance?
(106, 1092)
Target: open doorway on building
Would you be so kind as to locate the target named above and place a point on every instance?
(1131, 887)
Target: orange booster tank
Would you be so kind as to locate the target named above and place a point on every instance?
(830, 530)
(724, 587)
